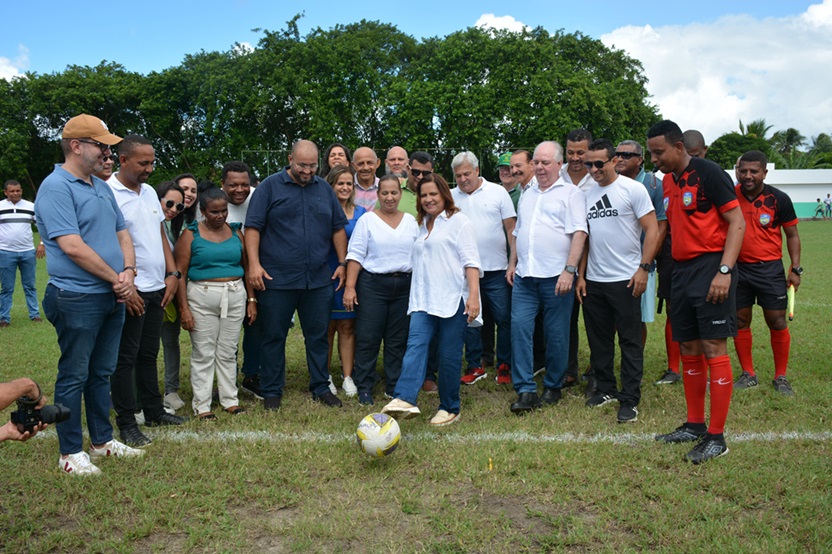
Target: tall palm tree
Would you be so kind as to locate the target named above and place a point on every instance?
(821, 144)
(756, 128)
(787, 141)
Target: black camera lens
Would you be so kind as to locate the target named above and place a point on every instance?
(55, 413)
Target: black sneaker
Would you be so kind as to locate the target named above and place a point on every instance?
(272, 403)
(627, 414)
(745, 381)
(251, 385)
(599, 399)
(365, 399)
(781, 385)
(551, 396)
(328, 399)
(670, 377)
(526, 402)
(710, 447)
(166, 419)
(683, 433)
(133, 436)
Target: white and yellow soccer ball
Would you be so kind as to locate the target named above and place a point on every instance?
(378, 435)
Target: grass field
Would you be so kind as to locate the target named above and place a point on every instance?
(563, 479)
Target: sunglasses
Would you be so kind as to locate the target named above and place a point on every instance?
(178, 206)
(101, 145)
(421, 172)
(627, 155)
(598, 164)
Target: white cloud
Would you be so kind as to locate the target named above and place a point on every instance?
(9, 69)
(709, 76)
(243, 48)
(507, 22)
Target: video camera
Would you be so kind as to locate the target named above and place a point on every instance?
(28, 417)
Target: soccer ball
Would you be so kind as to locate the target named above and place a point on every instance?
(378, 435)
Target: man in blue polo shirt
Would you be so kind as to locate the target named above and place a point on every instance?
(91, 263)
(294, 219)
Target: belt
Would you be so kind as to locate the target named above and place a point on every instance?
(225, 286)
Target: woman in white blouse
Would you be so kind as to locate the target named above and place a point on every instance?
(378, 287)
(444, 299)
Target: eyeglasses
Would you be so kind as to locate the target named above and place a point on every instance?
(597, 164)
(102, 146)
(421, 172)
(307, 167)
(178, 206)
(627, 155)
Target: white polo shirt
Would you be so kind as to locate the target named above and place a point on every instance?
(381, 249)
(439, 261)
(142, 217)
(487, 207)
(546, 221)
(16, 225)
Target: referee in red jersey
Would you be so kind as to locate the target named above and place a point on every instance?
(707, 226)
(768, 212)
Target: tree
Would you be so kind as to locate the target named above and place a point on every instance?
(726, 149)
(755, 129)
(786, 142)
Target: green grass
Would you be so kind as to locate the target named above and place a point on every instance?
(479, 486)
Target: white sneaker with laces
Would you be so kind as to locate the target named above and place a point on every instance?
(349, 387)
(116, 449)
(78, 464)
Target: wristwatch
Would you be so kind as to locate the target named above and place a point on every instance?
(797, 270)
(342, 264)
(571, 269)
(176, 274)
(131, 268)
(645, 267)
(724, 269)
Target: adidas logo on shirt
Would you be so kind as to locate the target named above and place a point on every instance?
(602, 208)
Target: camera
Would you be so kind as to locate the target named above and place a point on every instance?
(28, 417)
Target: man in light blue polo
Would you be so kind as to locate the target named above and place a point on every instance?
(90, 259)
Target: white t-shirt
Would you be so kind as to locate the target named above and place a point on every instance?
(16, 226)
(237, 214)
(612, 213)
(586, 182)
(381, 249)
(142, 216)
(546, 221)
(439, 261)
(487, 207)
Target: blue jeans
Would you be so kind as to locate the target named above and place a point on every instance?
(496, 293)
(89, 330)
(9, 262)
(530, 294)
(275, 310)
(450, 334)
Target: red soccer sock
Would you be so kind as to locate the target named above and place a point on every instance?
(781, 342)
(743, 342)
(673, 354)
(722, 385)
(695, 380)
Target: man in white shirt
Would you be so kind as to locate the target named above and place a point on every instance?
(549, 239)
(17, 250)
(365, 162)
(490, 209)
(613, 276)
(156, 283)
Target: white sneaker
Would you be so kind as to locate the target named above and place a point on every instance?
(173, 401)
(399, 409)
(349, 387)
(140, 418)
(332, 388)
(78, 464)
(116, 449)
(443, 418)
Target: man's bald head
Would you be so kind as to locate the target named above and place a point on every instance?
(365, 162)
(396, 161)
(303, 161)
(695, 143)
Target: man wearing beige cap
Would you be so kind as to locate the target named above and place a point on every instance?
(90, 261)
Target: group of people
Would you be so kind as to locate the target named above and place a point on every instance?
(405, 260)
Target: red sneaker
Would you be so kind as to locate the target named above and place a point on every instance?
(503, 375)
(473, 375)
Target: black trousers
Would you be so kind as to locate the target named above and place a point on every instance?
(136, 369)
(609, 307)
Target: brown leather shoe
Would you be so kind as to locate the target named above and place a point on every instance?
(430, 387)
(6, 324)
(37, 319)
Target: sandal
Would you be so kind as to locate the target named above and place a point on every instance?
(236, 410)
(207, 416)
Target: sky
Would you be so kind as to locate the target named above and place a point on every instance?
(710, 63)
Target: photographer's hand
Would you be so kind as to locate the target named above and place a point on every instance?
(10, 431)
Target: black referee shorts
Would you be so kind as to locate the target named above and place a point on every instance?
(764, 282)
(691, 317)
(664, 266)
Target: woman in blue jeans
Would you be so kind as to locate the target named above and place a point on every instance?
(444, 299)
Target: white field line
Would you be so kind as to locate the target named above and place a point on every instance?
(478, 438)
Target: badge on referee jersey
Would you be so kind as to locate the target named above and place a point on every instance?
(765, 219)
(687, 198)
